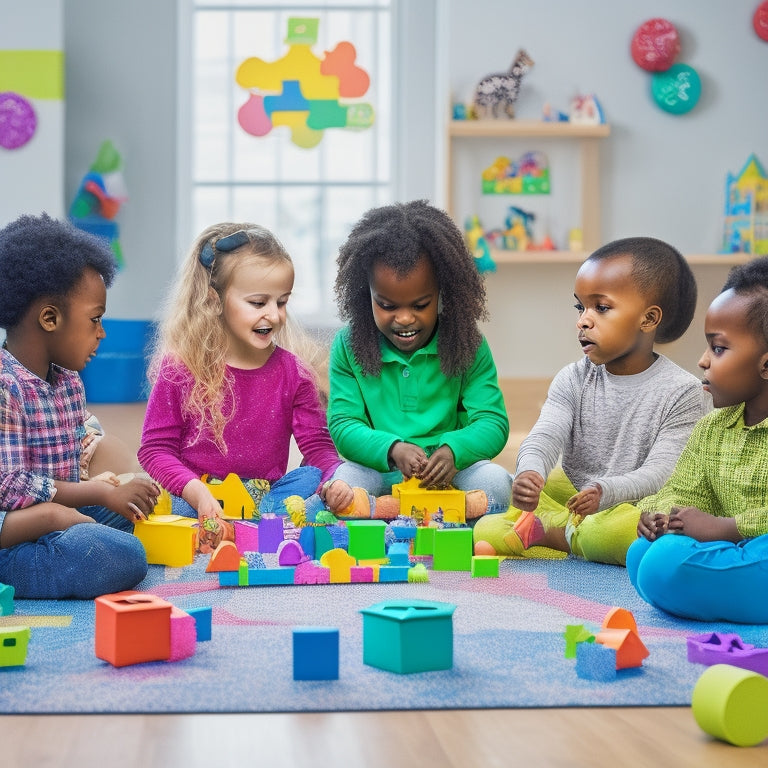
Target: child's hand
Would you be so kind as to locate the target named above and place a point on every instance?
(133, 500)
(339, 496)
(439, 470)
(107, 477)
(585, 502)
(526, 490)
(700, 525)
(651, 525)
(410, 459)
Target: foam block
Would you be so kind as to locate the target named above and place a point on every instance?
(315, 653)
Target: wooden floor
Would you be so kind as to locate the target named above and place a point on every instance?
(594, 737)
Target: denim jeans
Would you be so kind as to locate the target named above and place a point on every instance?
(83, 562)
(482, 475)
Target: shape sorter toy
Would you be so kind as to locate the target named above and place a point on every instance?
(168, 539)
(422, 503)
(13, 646)
(315, 653)
(406, 636)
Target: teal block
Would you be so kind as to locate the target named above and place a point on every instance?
(258, 576)
(406, 636)
(393, 573)
(399, 553)
(366, 539)
(203, 621)
(453, 550)
(229, 579)
(6, 599)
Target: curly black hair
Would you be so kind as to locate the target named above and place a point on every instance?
(662, 274)
(751, 279)
(397, 236)
(42, 256)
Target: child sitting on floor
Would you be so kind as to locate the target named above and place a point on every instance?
(414, 390)
(226, 397)
(703, 546)
(60, 535)
(619, 418)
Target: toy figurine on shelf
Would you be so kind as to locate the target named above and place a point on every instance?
(518, 234)
(551, 115)
(586, 110)
(529, 175)
(500, 91)
(478, 245)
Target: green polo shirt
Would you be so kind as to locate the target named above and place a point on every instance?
(723, 470)
(414, 401)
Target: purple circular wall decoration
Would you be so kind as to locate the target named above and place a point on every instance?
(17, 120)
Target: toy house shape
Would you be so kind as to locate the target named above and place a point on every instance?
(406, 636)
(236, 502)
(13, 646)
(746, 210)
(423, 504)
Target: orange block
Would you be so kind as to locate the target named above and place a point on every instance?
(630, 650)
(620, 618)
(224, 558)
(132, 627)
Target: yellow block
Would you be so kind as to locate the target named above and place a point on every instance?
(420, 502)
(238, 503)
(168, 539)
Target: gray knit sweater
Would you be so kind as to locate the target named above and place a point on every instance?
(623, 432)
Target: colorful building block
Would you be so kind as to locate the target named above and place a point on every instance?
(168, 539)
(399, 553)
(246, 536)
(271, 576)
(619, 631)
(574, 635)
(310, 572)
(323, 541)
(366, 539)
(401, 532)
(361, 574)
(229, 579)
(6, 599)
(315, 653)
(132, 627)
(339, 563)
(485, 566)
(236, 502)
(453, 549)
(224, 558)
(595, 662)
(290, 553)
(423, 504)
(203, 620)
(406, 636)
(424, 542)
(392, 573)
(731, 704)
(183, 635)
(13, 646)
(270, 533)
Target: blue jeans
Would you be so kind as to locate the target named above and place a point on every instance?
(703, 580)
(83, 562)
(482, 475)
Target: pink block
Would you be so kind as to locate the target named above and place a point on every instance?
(183, 635)
(270, 533)
(361, 574)
(309, 572)
(246, 536)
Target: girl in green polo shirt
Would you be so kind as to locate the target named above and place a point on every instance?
(413, 386)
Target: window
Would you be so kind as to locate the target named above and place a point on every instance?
(309, 198)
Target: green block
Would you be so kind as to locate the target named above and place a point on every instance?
(13, 646)
(366, 539)
(485, 565)
(424, 543)
(453, 550)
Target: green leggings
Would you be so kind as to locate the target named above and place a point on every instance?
(603, 537)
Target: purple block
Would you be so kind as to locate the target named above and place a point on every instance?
(246, 536)
(727, 648)
(289, 553)
(270, 533)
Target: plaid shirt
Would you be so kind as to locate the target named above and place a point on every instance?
(723, 470)
(42, 424)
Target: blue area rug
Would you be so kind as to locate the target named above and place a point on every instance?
(508, 647)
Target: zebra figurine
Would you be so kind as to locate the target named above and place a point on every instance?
(501, 89)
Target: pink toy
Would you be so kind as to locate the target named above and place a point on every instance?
(183, 635)
(246, 536)
(655, 45)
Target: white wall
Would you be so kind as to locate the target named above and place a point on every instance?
(661, 175)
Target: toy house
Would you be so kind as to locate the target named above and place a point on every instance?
(746, 210)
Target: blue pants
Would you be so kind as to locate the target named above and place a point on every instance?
(482, 475)
(703, 580)
(83, 562)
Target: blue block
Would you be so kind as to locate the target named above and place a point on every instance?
(203, 620)
(389, 573)
(229, 579)
(403, 531)
(595, 661)
(270, 576)
(307, 541)
(315, 653)
(399, 553)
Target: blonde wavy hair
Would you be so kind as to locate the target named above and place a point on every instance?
(192, 331)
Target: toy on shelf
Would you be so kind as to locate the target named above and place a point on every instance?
(746, 210)
(529, 175)
(99, 198)
(478, 245)
(499, 92)
(585, 109)
(301, 91)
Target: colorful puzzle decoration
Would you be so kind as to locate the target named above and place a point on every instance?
(303, 92)
(528, 175)
(98, 199)
(746, 210)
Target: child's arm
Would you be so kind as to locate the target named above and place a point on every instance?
(31, 523)
(702, 526)
(133, 500)
(526, 490)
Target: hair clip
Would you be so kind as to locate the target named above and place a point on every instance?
(224, 244)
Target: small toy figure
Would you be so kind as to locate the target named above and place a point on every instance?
(586, 110)
(501, 90)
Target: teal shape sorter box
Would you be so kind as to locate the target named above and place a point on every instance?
(407, 636)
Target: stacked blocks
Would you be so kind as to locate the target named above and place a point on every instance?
(424, 541)
(237, 503)
(315, 653)
(406, 636)
(270, 533)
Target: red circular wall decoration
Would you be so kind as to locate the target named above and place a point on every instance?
(760, 20)
(655, 45)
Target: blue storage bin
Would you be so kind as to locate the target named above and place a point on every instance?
(118, 373)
